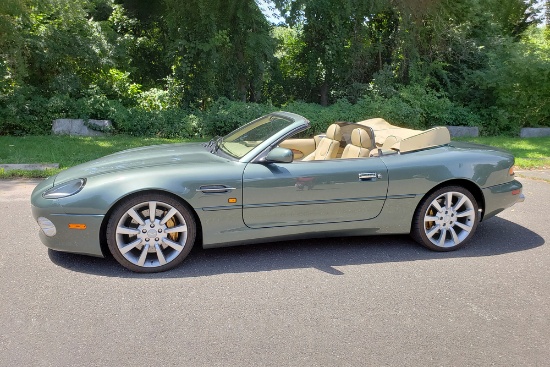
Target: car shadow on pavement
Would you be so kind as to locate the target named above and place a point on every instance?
(494, 237)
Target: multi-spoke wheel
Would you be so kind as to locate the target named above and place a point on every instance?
(150, 233)
(445, 219)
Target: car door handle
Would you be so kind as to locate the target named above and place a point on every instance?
(370, 176)
(215, 189)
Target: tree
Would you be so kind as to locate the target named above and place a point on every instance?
(12, 60)
(340, 42)
(218, 49)
(514, 16)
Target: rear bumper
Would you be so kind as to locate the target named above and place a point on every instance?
(500, 197)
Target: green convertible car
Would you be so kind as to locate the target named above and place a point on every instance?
(267, 181)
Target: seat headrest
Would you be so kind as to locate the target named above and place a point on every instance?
(334, 132)
(361, 138)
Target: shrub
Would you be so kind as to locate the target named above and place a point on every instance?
(225, 115)
(23, 113)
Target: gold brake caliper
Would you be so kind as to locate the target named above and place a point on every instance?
(175, 235)
(429, 225)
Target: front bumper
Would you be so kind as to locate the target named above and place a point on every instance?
(83, 241)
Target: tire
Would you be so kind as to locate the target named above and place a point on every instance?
(149, 244)
(445, 219)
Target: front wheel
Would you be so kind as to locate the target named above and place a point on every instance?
(150, 233)
(446, 219)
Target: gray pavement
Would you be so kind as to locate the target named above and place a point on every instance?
(340, 302)
(535, 174)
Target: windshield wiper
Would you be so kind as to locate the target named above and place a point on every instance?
(215, 143)
(212, 141)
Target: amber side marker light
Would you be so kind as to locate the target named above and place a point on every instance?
(77, 226)
(232, 200)
(511, 171)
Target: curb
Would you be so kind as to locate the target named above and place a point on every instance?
(29, 167)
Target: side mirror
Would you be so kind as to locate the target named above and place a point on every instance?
(279, 155)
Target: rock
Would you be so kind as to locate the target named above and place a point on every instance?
(460, 131)
(78, 127)
(534, 132)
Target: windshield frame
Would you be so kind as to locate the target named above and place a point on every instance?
(295, 122)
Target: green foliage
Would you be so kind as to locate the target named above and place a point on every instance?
(225, 115)
(12, 58)
(288, 73)
(68, 150)
(20, 113)
(173, 68)
(218, 48)
(530, 153)
(171, 123)
(117, 85)
(423, 108)
(411, 107)
(516, 82)
(67, 50)
(155, 99)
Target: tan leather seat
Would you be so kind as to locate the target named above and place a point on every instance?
(328, 146)
(360, 145)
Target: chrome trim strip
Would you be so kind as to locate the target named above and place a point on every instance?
(226, 207)
(76, 215)
(314, 202)
(403, 196)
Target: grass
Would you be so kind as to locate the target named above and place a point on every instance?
(68, 151)
(530, 153)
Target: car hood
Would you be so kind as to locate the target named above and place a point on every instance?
(143, 157)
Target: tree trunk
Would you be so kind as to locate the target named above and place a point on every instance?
(241, 88)
(242, 77)
(324, 93)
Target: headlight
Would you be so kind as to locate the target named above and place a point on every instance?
(65, 189)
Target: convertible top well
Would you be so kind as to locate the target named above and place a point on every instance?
(404, 140)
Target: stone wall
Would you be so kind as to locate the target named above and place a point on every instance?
(460, 131)
(531, 132)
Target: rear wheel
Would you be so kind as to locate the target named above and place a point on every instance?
(446, 219)
(150, 233)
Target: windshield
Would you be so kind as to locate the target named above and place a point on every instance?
(241, 141)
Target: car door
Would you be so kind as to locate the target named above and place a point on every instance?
(313, 192)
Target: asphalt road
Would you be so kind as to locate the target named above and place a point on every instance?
(341, 302)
